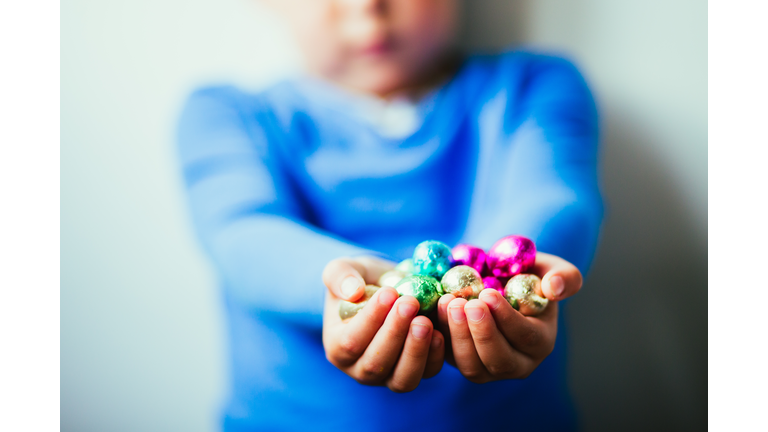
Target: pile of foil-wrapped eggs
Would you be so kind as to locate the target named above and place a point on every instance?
(463, 271)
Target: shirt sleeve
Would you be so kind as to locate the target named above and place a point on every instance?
(246, 212)
(538, 176)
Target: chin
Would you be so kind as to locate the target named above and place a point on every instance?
(382, 82)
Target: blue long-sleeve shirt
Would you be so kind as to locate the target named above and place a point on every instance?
(283, 181)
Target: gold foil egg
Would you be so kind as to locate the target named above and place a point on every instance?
(391, 278)
(405, 266)
(462, 281)
(524, 293)
(349, 309)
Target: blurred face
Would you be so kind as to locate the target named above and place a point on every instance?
(373, 46)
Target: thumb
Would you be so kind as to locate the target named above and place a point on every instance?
(560, 280)
(344, 278)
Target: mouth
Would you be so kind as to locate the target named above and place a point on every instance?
(378, 48)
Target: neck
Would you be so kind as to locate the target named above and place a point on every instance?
(443, 71)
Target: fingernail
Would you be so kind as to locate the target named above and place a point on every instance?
(457, 314)
(492, 299)
(419, 331)
(557, 285)
(475, 314)
(436, 342)
(387, 297)
(407, 309)
(349, 286)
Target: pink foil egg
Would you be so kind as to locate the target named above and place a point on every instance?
(469, 255)
(490, 282)
(510, 256)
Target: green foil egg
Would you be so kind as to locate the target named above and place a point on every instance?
(462, 281)
(524, 293)
(425, 289)
(406, 266)
(349, 309)
(432, 258)
(391, 278)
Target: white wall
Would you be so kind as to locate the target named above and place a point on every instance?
(141, 331)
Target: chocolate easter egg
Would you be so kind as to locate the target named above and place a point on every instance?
(469, 255)
(391, 278)
(462, 281)
(405, 266)
(425, 289)
(490, 282)
(511, 255)
(524, 293)
(349, 309)
(432, 258)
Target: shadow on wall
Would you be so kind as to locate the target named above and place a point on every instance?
(638, 329)
(493, 24)
(638, 335)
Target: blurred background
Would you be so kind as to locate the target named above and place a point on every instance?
(142, 335)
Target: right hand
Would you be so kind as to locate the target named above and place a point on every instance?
(385, 344)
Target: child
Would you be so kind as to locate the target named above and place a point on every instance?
(393, 138)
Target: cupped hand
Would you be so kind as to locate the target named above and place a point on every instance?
(385, 344)
(488, 340)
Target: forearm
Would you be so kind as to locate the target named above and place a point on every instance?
(562, 220)
(571, 232)
(273, 263)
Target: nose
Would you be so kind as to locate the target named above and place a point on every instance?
(366, 7)
(363, 19)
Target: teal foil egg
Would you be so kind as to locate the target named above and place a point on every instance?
(425, 289)
(432, 258)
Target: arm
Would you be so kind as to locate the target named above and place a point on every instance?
(247, 213)
(540, 178)
(250, 221)
(541, 183)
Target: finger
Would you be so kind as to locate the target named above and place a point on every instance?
(443, 325)
(346, 341)
(345, 278)
(436, 355)
(464, 352)
(534, 336)
(498, 357)
(410, 366)
(559, 278)
(442, 310)
(380, 357)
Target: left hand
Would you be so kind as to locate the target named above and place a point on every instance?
(488, 340)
